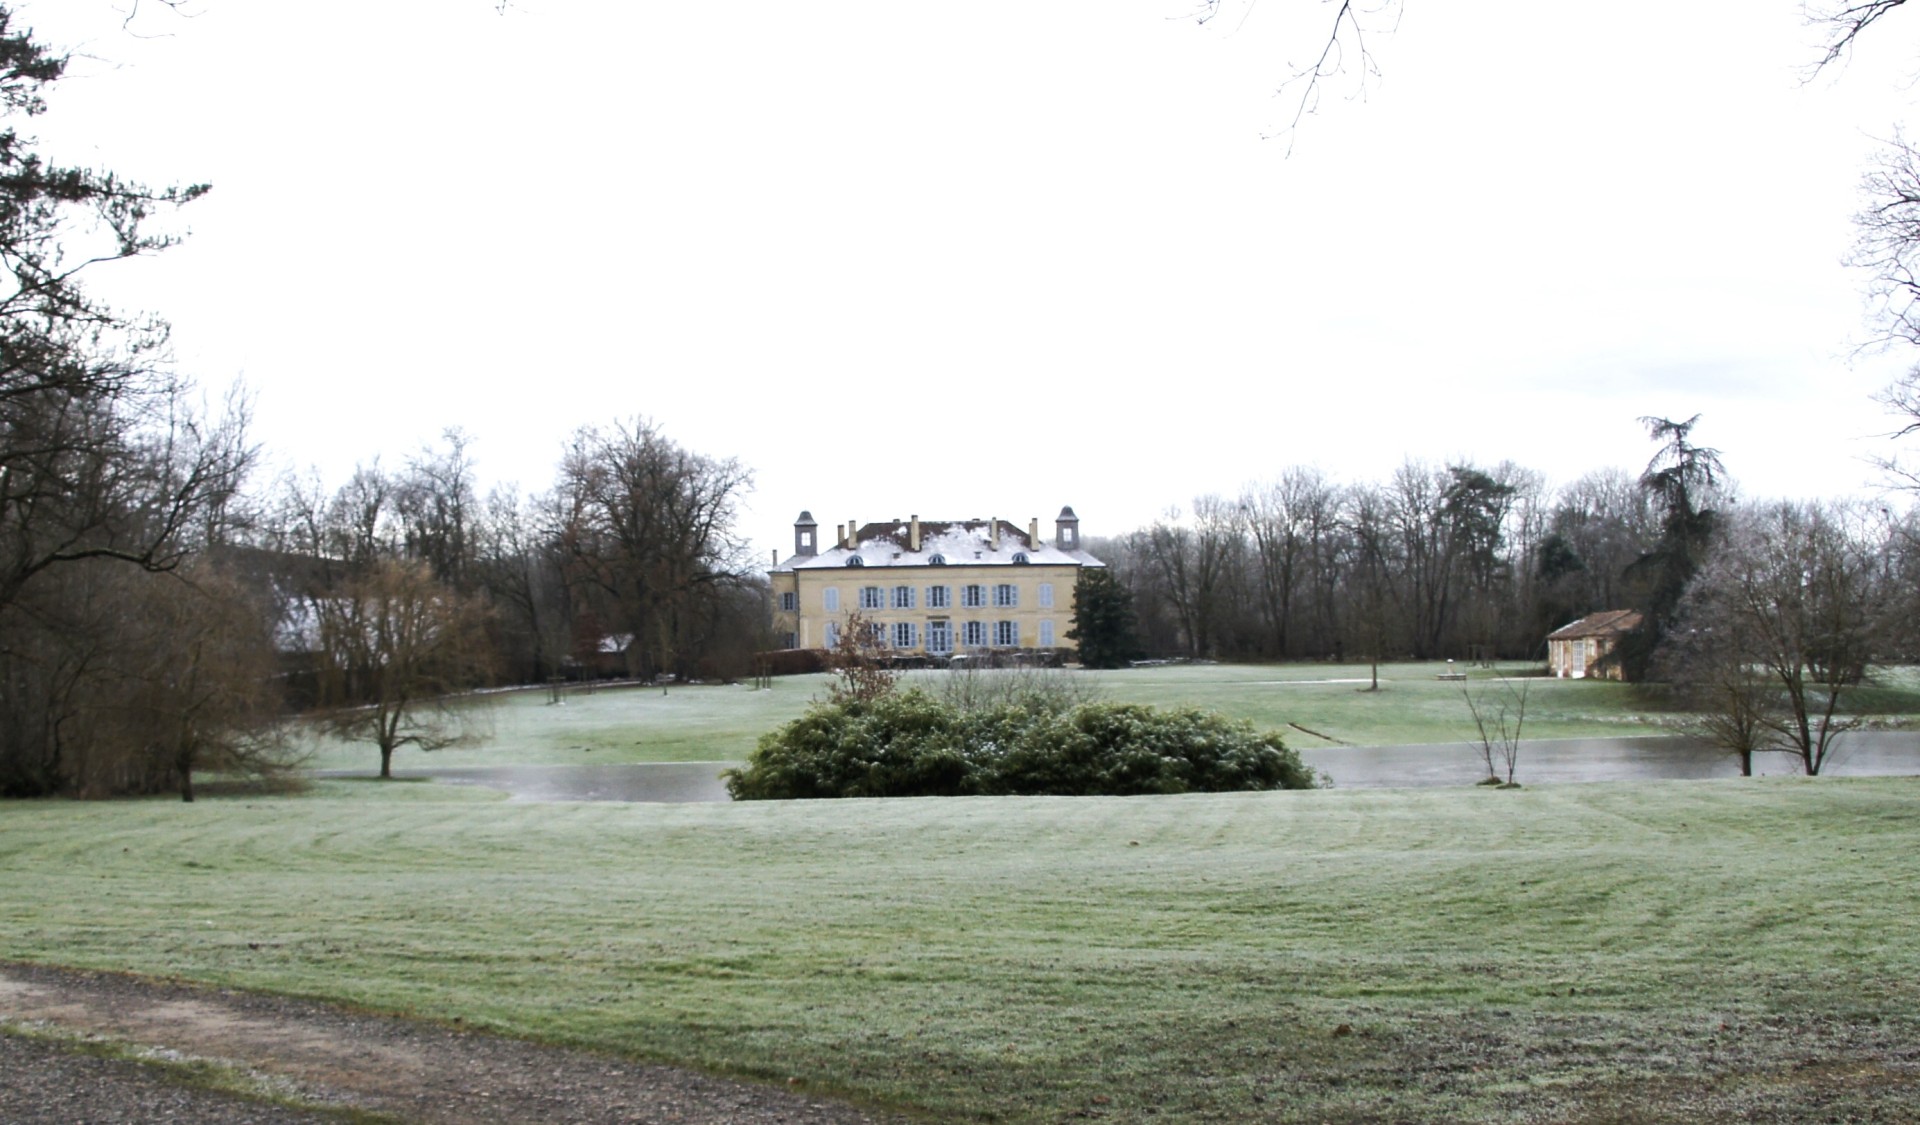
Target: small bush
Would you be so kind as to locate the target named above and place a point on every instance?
(908, 744)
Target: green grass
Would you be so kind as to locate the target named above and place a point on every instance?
(1412, 706)
(1606, 952)
(720, 723)
(699, 723)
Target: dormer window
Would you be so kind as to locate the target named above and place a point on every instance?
(936, 560)
(1020, 558)
(856, 561)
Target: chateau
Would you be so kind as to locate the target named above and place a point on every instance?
(935, 587)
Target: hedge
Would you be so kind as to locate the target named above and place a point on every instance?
(908, 744)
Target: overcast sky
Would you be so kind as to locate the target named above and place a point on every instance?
(987, 258)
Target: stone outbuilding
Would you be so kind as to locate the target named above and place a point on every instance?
(1575, 651)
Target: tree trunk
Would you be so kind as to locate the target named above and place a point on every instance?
(386, 762)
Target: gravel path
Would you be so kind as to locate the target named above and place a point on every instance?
(331, 1057)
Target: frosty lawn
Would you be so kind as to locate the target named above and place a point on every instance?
(720, 723)
(1644, 951)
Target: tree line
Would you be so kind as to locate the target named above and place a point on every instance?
(1436, 561)
(161, 610)
(1763, 618)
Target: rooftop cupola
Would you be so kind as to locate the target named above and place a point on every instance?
(1066, 530)
(806, 535)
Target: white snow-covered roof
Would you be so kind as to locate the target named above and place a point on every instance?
(958, 543)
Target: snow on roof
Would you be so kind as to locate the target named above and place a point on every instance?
(957, 543)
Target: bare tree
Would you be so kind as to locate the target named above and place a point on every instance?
(1796, 593)
(860, 661)
(1842, 22)
(1887, 240)
(1288, 521)
(200, 682)
(1192, 562)
(519, 568)
(1371, 593)
(1729, 695)
(119, 680)
(648, 527)
(437, 509)
(1343, 50)
(395, 646)
(1499, 712)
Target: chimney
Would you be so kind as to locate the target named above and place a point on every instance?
(1033, 532)
(853, 530)
(839, 534)
(913, 532)
(993, 532)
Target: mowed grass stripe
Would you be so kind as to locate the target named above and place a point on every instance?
(1018, 958)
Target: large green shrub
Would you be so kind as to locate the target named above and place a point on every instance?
(908, 744)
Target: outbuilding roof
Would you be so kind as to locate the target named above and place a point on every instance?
(1607, 623)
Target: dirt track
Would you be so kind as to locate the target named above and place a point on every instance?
(329, 1058)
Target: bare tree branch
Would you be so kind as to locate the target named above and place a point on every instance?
(1844, 23)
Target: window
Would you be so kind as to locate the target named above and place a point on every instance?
(973, 596)
(939, 636)
(903, 597)
(831, 598)
(936, 560)
(856, 561)
(1046, 634)
(872, 597)
(833, 634)
(903, 634)
(1006, 594)
(1020, 558)
(1046, 595)
(973, 634)
(789, 601)
(788, 640)
(1006, 634)
(939, 597)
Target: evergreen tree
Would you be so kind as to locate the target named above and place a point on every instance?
(1103, 621)
(1681, 479)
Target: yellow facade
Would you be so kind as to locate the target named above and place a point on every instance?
(933, 589)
